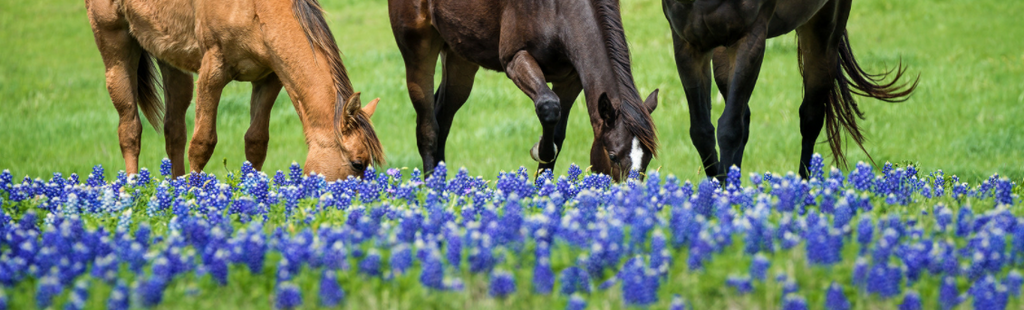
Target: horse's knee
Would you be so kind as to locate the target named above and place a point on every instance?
(548, 110)
(255, 138)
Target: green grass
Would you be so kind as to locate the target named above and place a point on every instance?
(964, 118)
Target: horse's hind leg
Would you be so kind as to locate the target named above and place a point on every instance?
(723, 61)
(456, 83)
(121, 56)
(526, 73)
(177, 96)
(212, 80)
(264, 93)
(694, 69)
(820, 65)
(420, 45)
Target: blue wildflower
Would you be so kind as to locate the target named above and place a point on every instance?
(741, 284)
(118, 297)
(288, 296)
(576, 303)
(835, 298)
(759, 267)
(502, 284)
(370, 265)
(911, 301)
(678, 303)
(331, 294)
(794, 302)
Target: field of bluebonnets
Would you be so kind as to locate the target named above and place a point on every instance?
(904, 235)
(866, 239)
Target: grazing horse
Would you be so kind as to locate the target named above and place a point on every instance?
(270, 43)
(573, 44)
(732, 33)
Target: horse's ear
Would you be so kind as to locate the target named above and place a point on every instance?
(605, 108)
(371, 107)
(652, 101)
(353, 105)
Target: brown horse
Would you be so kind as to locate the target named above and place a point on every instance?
(574, 44)
(733, 34)
(270, 43)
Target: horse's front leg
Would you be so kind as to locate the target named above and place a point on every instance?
(694, 67)
(212, 79)
(733, 125)
(567, 93)
(524, 71)
(178, 89)
(264, 93)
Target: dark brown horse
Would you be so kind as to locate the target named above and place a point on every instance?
(271, 43)
(574, 44)
(733, 34)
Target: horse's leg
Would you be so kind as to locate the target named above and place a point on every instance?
(456, 83)
(695, 73)
(733, 124)
(177, 97)
(264, 93)
(567, 93)
(524, 71)
(121, 55)
(420, 45)
(818, 51)
(212, 79)
(723, 61)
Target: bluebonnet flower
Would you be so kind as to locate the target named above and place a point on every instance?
(835, 298)
(432, 275)
(288, 296)
(118, 297)
(639, 286)
(370, 265)
(151, 291)
(165, 167)
(759, 267)
(576, 303)
(572, 280)
(48, 288)
(543, 276)
(76, 300)
(401, 258)
(741, 284)
(949, 295)
(678, 303)
(794, 302)
(1013, 282)
(331, 294)
(502, 284)
(911, 301)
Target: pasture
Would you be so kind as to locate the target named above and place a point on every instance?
(965, 118)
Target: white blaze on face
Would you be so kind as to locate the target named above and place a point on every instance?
(636, 154)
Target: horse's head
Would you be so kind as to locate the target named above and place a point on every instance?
(360, 147)
(628, 136)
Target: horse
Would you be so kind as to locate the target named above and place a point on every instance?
(272, 44)
(573, 44)
(732, 34)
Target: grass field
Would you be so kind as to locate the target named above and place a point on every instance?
(965, 117)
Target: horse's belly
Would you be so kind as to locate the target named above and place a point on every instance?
(471, 30)
(166, 29)
(790, 14)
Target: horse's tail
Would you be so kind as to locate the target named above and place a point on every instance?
(311, 17)
(842, 111)
(146, 85)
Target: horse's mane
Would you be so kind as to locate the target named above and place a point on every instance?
(311, 16)
(635, 115)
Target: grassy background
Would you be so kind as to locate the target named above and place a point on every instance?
(965, 117)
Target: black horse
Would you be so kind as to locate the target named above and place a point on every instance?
(733, 34)
(574, 44)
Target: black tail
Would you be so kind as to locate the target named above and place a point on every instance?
(841, 110)
(146, 85)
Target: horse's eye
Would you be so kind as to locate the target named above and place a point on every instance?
(613, 158)
(358, 165)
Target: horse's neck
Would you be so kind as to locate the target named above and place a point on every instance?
(592, 57)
